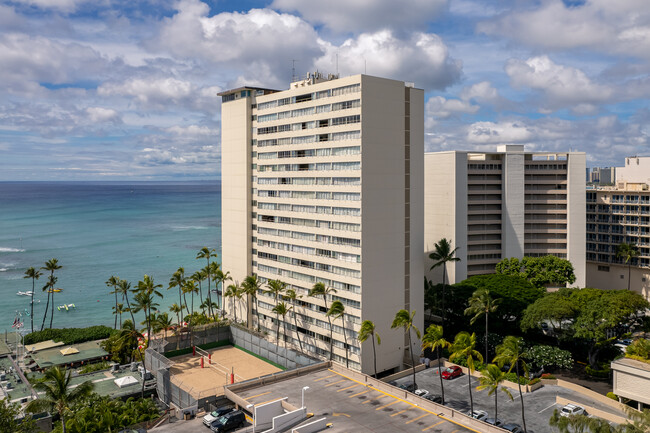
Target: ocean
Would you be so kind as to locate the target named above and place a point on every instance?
(96, 230)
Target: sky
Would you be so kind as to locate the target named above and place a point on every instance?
(127, 90)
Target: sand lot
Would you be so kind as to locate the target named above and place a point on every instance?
(210, 380)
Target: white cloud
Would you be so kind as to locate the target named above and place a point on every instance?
(66, 6)
(562, 85)
(498, 133)
(100, 115)
(423, 58)
(358, 16)
(443, 108)
(481, 92)
(619, 27)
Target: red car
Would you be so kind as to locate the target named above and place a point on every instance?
(451, 372)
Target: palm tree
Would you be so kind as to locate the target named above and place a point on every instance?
(512, 352)
(190, 287)
(207, 253)
(629, 252)
(49, 288)
(58, 395)
(251, 286)
(233, 291)
(34, 274)
(276, 287)
(199, 276)
(481, 303)
(51, 265)
(463, 348)
(404, 319)
(491, 378)
(164, 323)
(220, 278)
(433, 339)
(366, 330)
(144, 299)
(112, 282)
(124, 287)
(128, 337)
(176, 309)
(282, 310)
(337, 310)
(320, 289)
(443, 254)
(293, 296)
(178, 280)
(118, 310)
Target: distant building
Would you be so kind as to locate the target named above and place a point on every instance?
(636, 170)
(508, 203)
(616, 215)
(602, 175)
(323, 183)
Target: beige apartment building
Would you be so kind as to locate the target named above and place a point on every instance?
(323, 182)
(616, 215)
(508, 203)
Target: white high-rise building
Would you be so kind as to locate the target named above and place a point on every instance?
(324, 183)
(508, 203)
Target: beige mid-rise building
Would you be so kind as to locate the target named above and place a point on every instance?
(508, 203)
(617, 215)
(323, 182)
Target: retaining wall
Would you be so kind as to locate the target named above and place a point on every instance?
(593, 411)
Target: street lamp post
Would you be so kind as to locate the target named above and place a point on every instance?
(304, 388)
(253, 413)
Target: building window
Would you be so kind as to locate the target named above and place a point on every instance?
(603, 268)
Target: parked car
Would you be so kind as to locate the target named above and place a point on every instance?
(421, 392)
(572, 409)
(451, 372)
(229, 421)
(497, 422)
(436, 398)
(408, 386)
(216, 414)
(479, 414)
(512, 427)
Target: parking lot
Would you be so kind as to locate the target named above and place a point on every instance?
(539, 405)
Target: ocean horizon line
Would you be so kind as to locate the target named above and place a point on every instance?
(113, 182)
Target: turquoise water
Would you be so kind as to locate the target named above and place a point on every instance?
(97, 230)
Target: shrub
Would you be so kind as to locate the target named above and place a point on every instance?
(548, 376)
(550, 356)
(104, 365)
(512, 377)
(70, 335)
(612, 396)
(534, 381)
(603, 374)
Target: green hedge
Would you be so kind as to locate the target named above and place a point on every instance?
(603, 374)
(70, 335)
(612, 396)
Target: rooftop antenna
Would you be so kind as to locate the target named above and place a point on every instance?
(337, 62)
(293, 71)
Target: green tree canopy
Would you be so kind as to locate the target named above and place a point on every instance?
(540, 271)
(515, 294)
(586, 314)
(10, 420)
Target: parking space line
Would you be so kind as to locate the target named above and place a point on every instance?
(401, 411)
(546, 408)
(415, 419)
(433, 425)
(386, 405)
(359, 393)
(322, 378)
(352, 386)
(258, 395)
(334, 383)
(405, 401)
(375, 398)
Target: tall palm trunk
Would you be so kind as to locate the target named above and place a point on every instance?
(469, 382)
(46, 308)
(128, 305)
(486, 339)
(374, 354)
(115, 326)
(629, 274)
(496, 412)
(521, 397)
(31, 314)
(284, 331)
(442, 387)
(331, 330)
(295, 321)
(52, 309)
(444, 275)
(345, 339)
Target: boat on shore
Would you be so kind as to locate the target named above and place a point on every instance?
(29, 293)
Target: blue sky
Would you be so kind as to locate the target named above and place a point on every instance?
(121, 90)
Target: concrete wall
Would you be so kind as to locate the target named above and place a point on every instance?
(636, 169)
(577, 217)
(616, 277)
(632, 379)
(513, 216)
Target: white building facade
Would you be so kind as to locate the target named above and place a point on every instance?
(323, 183)
(508, 203)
